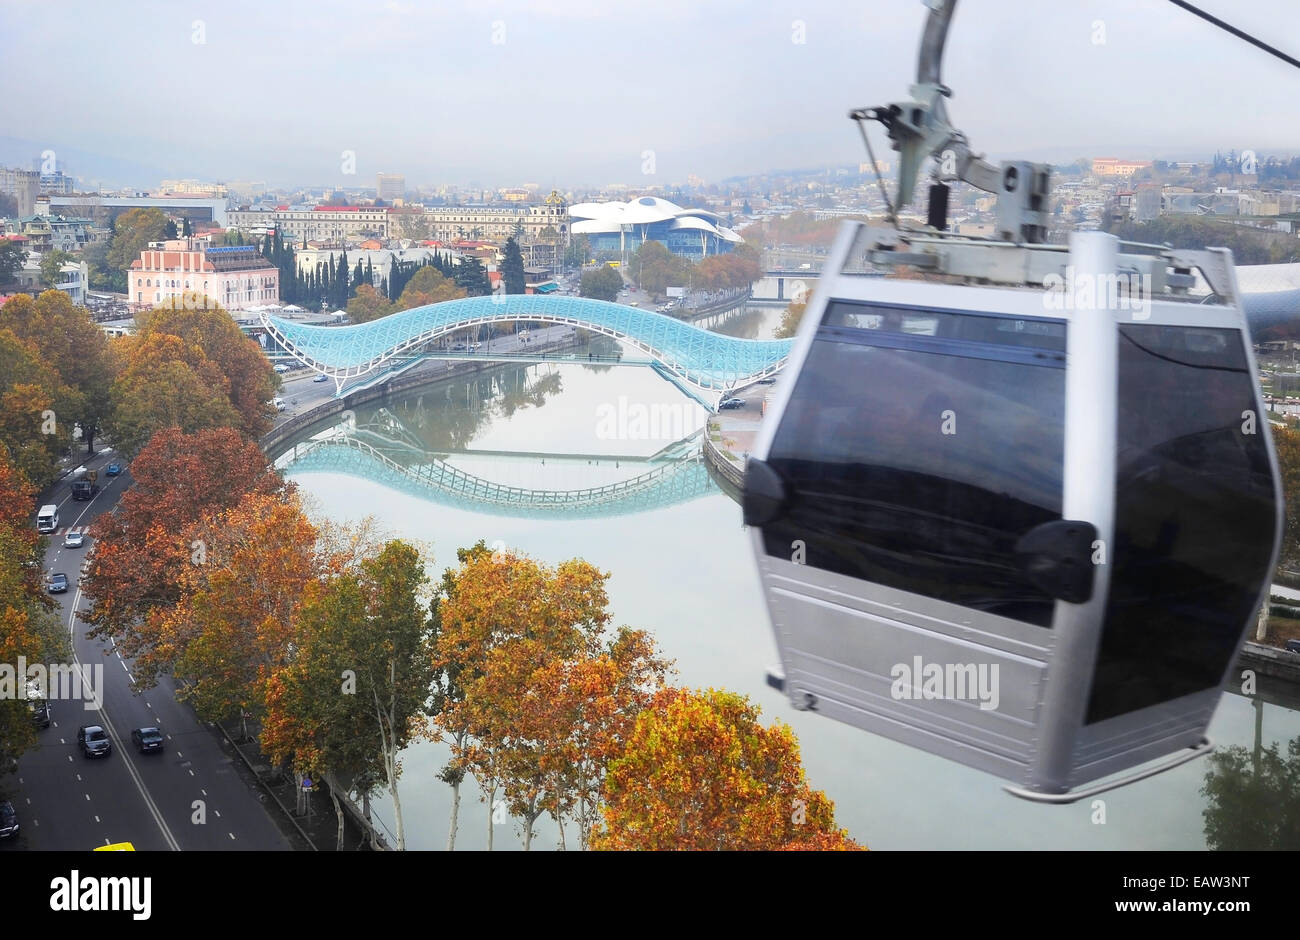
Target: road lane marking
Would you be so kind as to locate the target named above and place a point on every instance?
(232, 836)
(78, 778)
(87, 797)
(135, 774)
(96, 819)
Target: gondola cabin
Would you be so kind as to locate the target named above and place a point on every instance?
(1020, 513)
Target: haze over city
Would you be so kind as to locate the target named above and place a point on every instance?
(686, 426)
(567, 92)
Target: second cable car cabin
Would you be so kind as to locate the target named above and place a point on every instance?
(1025, 529)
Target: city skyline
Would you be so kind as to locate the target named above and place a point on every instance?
(407, 90)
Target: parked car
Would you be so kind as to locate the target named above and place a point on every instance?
(321, 378)
(57, 583)
(8, 820)
(113, 469)
(1293, 645)
(93, 741)
(729, 403)
(279, 404)
(147, 740)
(74, 540)
(281, 368)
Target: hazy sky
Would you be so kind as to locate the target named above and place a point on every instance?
(571, 92)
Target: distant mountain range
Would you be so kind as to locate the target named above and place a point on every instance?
(90, 166)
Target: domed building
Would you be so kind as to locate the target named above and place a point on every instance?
(623, 226)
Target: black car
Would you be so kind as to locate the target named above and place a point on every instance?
(1293, 646)
(8, 820)
(93, 741)
(728, 403)
(57, 584)
(147, 740)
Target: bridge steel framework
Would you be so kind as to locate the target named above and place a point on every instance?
(705, 364)
(664, 482)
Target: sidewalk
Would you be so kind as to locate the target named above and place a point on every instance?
(317, 829)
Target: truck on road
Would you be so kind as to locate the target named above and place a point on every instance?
(83, 483)
(47, 519)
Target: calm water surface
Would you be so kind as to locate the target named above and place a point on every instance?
(681, 568)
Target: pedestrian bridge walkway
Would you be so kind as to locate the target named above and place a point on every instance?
(707, 364)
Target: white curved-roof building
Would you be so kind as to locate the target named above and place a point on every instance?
(623, 226)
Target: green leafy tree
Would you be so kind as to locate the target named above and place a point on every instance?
(133, 230)
(578, 253)
(604, 283)
(512, 268)
(1253, 799)
(354, 694)
(52, 267)
(472, 278)
(12, 258)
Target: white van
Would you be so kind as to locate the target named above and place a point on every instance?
(47, 520)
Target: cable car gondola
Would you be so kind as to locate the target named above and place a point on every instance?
(1021, 514)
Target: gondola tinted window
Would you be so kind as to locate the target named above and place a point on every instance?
(1194, 516)
(919, 446)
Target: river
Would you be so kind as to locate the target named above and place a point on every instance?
(681, 568)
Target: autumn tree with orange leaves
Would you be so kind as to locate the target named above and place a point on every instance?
(72, 344)
(541, 694)
(239, 592)
(32, 399)
(28, 626)
(700, 772)
(192, 369)
(142, 548)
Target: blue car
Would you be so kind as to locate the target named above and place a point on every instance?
(113, 469)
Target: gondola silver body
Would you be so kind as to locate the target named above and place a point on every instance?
(901, 656)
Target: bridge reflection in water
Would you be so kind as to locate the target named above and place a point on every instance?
(382, 452)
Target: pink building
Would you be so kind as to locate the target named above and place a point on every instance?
(232, 276)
